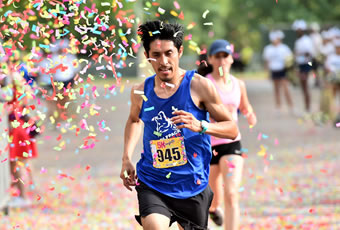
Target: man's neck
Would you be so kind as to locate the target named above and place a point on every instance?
(166, 89)
(177, 78)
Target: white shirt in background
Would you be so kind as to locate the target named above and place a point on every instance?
(60, 75)
(317, 42)
(303, 46)
(327, 49)
(276, 56)
(333, 63)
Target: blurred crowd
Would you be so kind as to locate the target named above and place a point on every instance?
(316, 55)
(33, 85)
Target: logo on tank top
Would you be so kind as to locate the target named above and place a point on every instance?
(164, 125)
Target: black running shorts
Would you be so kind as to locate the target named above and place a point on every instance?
(191, 213)
(233, 148)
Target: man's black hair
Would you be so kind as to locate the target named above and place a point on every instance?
(152, 30)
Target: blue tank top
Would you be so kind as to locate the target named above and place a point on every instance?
(182, 181)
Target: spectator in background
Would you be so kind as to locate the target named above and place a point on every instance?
(304, 54)
(332, 67)
(62, 66)
(317, 42)
(22, 145)
(276, 55)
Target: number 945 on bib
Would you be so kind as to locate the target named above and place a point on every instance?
(168, 153)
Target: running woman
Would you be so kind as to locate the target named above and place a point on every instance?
(171, 177)
(276, 56)
(227, 161)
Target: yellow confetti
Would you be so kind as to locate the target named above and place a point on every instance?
(15, 124)
(262, 152)
(173, 13)
(144, 98)
(52, 119)
(122, 89)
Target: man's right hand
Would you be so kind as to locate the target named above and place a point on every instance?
(128, 174)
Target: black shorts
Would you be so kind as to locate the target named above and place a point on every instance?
(191, 213)
(305, 68)
(276, 75)
(233, 148)
(315, 64)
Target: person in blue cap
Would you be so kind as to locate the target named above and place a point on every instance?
(227, 161)
(172, 175)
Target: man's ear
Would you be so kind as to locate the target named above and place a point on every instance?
(180, 51)
(146, 56)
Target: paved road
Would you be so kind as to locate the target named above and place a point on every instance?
(290, 178)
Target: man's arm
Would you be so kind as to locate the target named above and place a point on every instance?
(132, 133)
(205, 95)
(225, 126)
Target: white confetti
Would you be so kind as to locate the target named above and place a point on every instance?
(170, 85)
(205, 14)
(138, 92)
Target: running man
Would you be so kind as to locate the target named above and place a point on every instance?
(276, 55)
(171, 177)
(227, 161)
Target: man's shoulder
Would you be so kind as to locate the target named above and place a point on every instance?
(200, 84)
(199, 80)
(138, 86)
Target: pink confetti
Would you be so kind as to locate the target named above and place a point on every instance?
(177, 5)
(276, 141)
(337, 125)
(4, 160)
(259, 136)
(215, 153)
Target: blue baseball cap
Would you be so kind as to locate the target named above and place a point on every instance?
(220, 46)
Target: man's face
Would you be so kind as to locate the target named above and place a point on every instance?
(164, 58)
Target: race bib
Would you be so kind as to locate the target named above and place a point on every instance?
(168, 153)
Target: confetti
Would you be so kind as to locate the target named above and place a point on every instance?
(149, 109)
(126, 175)
(138, 92)
(208, 24)
(160, 10)
(168, 175)
(205, 14)
(157, 133)
(177, 6)
(170, 85)
(220, 70)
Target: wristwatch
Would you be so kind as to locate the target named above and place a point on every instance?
(204, 125)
